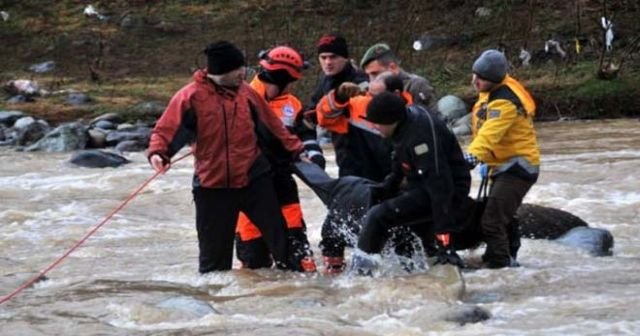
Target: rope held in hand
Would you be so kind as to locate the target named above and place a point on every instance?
(86, 236)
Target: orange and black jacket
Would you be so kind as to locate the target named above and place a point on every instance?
(221, 126)
(328, 83)
(289, 109)
(360, 150)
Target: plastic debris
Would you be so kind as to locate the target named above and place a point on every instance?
(43, 67)
(90, 11)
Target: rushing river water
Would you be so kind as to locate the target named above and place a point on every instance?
(138, 274)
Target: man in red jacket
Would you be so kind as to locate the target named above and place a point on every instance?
(222, 117)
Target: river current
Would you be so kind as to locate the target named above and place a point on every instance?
(138, 274)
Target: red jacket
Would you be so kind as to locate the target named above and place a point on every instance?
(220, 125)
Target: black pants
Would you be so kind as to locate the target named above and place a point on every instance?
(506, 195)
(216, 216)
(254, 253)
(410, 208)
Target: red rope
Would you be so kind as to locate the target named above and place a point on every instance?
(89, 234)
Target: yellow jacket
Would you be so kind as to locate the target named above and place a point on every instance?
(502, 126)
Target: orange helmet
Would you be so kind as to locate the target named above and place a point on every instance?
(283, 58)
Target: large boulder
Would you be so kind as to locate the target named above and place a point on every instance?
(64, 138)
(31, 132)
(8, 118)
(540, 222)
(139, 134)
(598, 242)
(451, 108)
(94, 158)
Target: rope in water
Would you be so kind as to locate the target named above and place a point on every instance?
(89, 234)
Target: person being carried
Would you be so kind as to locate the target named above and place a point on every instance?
(428, 155)
(505, 140)
(218, 114)
(280, 67)
(380, 58)
(342, 111)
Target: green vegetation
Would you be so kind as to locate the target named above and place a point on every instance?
(147, 49)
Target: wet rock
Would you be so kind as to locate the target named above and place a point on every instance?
(148, 110)
(64, 138)
(139, 134)
(94, 158)
(131, 146)
(29, 133)
(19, 99)
(113, 118)
(468, 314)
(8, 118)
(105, 125)
(125, 127)
(451, 108)
(77, 98)
(97, 138)
(23, 122)
(540, 222)
(598, 242)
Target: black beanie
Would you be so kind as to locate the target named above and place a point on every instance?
(386, 108)
(333, 43)
(492, 65)
(222, 57)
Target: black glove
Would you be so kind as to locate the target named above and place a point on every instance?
(319, 161)
(446, 253)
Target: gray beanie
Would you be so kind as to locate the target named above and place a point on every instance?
(492, 65)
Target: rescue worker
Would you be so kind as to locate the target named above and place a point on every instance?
(280, 68)
(342, 111)
(218, 113)
(380, 58)
(505, 140)
(333, 56)
(428, 155)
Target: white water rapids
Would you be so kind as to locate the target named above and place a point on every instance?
(138, 274)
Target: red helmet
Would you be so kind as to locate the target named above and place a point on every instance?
(285, 58)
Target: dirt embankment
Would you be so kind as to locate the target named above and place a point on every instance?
(144, 50)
